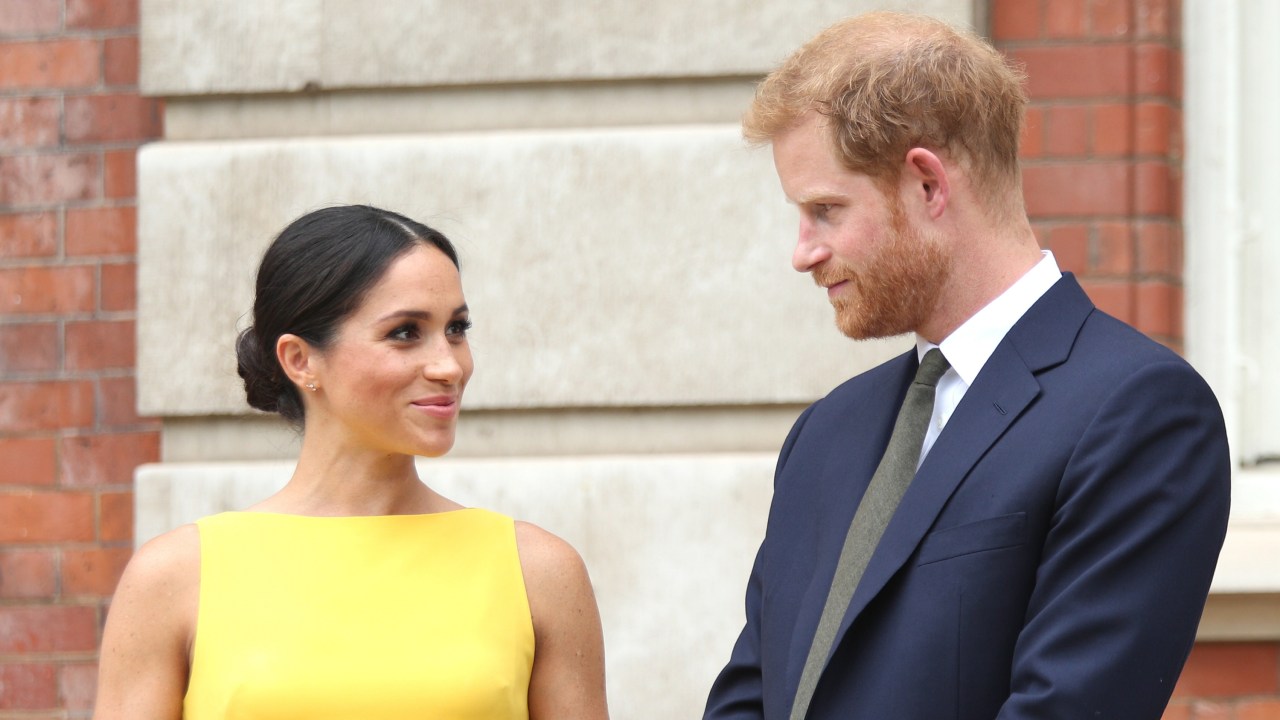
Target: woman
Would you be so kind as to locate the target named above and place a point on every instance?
(356, 591)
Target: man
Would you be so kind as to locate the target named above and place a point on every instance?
(1051, 555)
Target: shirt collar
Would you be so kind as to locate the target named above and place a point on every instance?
(971, 344)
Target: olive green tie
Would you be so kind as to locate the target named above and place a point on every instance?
(888, 484)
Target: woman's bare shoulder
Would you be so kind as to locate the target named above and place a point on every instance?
(544, 552)
(146, 644)
(568, 668)
(166, 562)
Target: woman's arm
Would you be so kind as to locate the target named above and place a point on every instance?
(568, 665)
(142, 672)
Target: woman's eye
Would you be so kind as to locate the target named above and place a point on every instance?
(404, 332)
(458, 328)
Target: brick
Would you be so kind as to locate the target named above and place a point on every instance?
(1077, 189)
(35, 406)
(1159, 249)
(1153, 70)
(28, 461)
(120, 173)
(119, 287)
(102, 231)
(1067, 130)
(1113, 249)
(111, 118)
(50, 64)
(78, 685)
(40, 517)
(28, 347)
(28, 235)
(1202, 710)
(1230, 668)
(48, 179)
(115, 516)
(1158, 309)
(26, 575)
(1268, 709)
(1070, 247)
(1113, 130)
(1175, 192)
(1064, 19)
(1154, 189)
(28, 122)
(1113, 298)
(1154, 129)
(1154, 20)
(120, 60)
(107, 459)
(1031, 145)
(28, 686)
(48, 629)
(118, 402)
(1110, 19)
(93, 572)
(102, 14)
(1076, 71)
(1014, 20)
(35, 290)
(1175, 72)
(100, 345)
(30, 17)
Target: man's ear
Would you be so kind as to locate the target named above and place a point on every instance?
(925, 177)
(297, 358)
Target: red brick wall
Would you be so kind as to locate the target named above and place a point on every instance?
(1102, 158)
(1102, 148)
(1229, 681)
(70, 123)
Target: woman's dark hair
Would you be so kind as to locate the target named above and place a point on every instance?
(315, 274)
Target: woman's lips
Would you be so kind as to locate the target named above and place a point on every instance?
(441, 406)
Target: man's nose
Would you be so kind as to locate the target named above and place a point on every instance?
(809, 252)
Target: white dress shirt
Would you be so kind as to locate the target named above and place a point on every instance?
(969, 347)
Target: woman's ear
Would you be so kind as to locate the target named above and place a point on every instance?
(927, 176)
(297, 358)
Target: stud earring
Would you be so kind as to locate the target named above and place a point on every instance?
(311, 387)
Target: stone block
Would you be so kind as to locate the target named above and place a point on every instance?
(604, 268)
(193, 47)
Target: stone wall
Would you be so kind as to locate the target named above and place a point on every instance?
(641, 343)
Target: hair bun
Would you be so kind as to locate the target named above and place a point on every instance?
(264, 383)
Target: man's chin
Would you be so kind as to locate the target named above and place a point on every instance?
(858, 326)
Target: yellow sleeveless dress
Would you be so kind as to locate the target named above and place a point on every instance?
(390, 617)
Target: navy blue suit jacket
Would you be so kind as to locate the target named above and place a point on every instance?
(1050, 559)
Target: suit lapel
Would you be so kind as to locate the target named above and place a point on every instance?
(851, 460)
(1004, 388)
